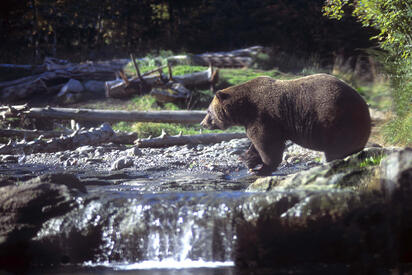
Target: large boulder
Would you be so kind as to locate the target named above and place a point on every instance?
(353, 213)
(24, 207)
(358, 171)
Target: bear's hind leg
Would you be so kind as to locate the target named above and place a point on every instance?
(251, 157)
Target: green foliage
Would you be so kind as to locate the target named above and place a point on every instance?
(393, 20)
(144, 103)
(371, 161)
(376, 94)
(399, 130)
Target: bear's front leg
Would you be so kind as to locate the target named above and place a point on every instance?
(251, 157)
(270, 148)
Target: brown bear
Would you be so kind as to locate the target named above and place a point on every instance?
(319, 112)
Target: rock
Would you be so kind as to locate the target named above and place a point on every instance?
(95, 87)
(85, 149)
(71, 92)
(396, 172)
(313, 227)
(334, 213)
(344, 173)
(23, 209)
(121, 163)
(396, 184)
(134, 152)
(67, 179)
(72, 86)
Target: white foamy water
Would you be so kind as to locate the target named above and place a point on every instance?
(165, 264)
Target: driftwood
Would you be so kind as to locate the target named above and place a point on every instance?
(125, 87)
(103, 115)
(118, 137)
(164, 140)
(54, 74)
(70, 142)
(32, 134)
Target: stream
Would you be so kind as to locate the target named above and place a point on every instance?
(169, 211)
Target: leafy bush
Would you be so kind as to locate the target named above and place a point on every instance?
(393, 19)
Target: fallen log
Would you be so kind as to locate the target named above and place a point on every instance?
(32, 134)
(120, 88)
(124, 137)
(206, 77)
(78, 138)
(118, 138)
(188, 117)
(164, 140)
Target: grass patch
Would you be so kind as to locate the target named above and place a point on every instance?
(146, 129)
(376, 94)
(176, 70)
(371, 161)
(399, 130)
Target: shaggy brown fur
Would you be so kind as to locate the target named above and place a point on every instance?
(319, 112)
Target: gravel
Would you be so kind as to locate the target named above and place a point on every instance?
(212, 164)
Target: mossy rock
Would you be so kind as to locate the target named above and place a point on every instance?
(358, 171)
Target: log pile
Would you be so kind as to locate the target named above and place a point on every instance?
(53, 75)
(165, 88)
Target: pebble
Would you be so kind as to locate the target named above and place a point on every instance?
(121, 163)
(134, 152)
(217, 157)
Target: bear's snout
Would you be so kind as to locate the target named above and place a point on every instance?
(207, 122)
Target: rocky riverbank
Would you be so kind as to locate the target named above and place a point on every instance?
(178, 168)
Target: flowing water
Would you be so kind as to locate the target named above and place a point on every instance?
(118, 229)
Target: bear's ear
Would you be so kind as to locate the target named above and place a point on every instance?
(222, 96)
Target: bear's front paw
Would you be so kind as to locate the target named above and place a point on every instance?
(263, 170)
(251, 161)
(251, 157)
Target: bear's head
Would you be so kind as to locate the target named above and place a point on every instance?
(218, 114)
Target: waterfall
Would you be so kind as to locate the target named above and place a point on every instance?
(129, 230)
